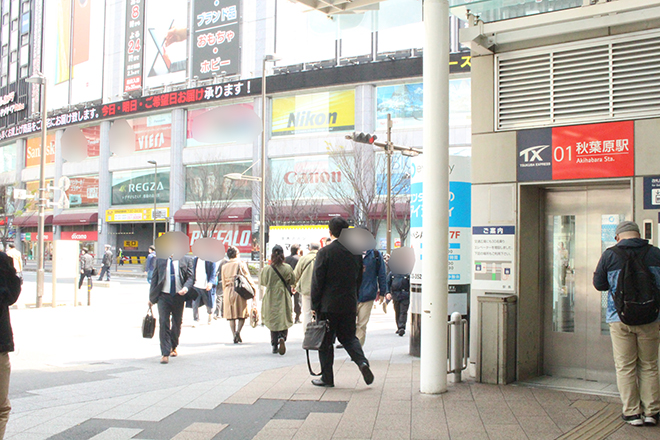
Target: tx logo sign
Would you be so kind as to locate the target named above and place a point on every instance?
(534, 152)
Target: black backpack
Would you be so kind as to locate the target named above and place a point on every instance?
(637, 299)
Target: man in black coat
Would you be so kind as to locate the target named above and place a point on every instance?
(170, 282)
(10, 289)
(335, 282)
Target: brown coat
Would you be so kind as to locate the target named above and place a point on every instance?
(234, 306)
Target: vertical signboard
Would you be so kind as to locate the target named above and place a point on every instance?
(216, 46)
(493, 256)
(134, 45)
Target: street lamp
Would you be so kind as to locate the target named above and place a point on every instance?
(153, 213)
(39, 78)
(262, 204)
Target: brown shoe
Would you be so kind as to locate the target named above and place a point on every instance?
(164, 360)
(174, 353)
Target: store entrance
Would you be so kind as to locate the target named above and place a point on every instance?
(579, 226)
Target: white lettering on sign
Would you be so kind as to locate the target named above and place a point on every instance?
(151, 141)
(76, 236)
(292, 177)
(144, 187)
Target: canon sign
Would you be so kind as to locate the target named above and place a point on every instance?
(312, 177)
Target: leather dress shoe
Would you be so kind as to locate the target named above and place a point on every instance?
(174, 353)
(320, 383)
(366, 373)
(164, 360)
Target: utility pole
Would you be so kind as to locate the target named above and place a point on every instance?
(389, 152)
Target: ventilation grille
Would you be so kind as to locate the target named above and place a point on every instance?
(591, 83)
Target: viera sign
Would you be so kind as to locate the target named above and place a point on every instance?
(314, 113)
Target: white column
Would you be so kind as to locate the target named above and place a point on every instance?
(433, 365)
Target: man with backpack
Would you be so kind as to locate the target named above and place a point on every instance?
(630, 272)
(399, 286)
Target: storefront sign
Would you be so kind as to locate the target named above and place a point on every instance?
(33, 151)
(577, 152)
(652, 192)
(133, 215)
(228, 90)
(315, 112)
(216, 34)
(33, 236)
(134, 45)
(80, 235)
(8, 106)
(230, 234)
(137, 187)
(493, 252)
(152, 132)
(130, 245)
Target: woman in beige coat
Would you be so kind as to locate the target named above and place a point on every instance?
(235, 308)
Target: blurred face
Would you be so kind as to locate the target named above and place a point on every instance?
(402, 260)
(209, 249)
(357, 240)
(174, 244)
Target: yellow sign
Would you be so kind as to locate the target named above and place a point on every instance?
(130, 244)
(135, 215)
(315, 112)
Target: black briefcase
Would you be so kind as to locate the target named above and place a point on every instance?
(314, 336)
(149, 325)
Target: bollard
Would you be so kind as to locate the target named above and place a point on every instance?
(89, 291)
(457, 343)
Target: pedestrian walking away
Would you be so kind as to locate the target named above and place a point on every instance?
(235, 306)
(172, 279)
(335, 281)
(120, 257)
(292, 260)
(630, 272)
(106, 262)
(86, 267)
(151, 263)
(303, 273)
(219, 292)
(374, 279)
(204, 274)
(10, 289)
(276, 306)
(17, 259)
(399, 292)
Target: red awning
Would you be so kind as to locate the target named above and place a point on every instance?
(400, 210)
(78, 218)
(326, 212)
(31, 221)
(189, 215)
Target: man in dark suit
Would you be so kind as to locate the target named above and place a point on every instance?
(335, 282)
(171, 280)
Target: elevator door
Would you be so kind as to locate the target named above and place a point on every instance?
(579, 226)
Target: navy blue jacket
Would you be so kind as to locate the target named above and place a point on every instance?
(10, 289)
(374, 276)
(607, 271)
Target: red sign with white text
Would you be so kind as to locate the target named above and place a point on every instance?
(80, 235)
(230, 234)
(595, 150)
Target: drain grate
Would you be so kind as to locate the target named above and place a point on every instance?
(598, 426)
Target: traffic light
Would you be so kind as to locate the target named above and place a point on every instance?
(364, 138)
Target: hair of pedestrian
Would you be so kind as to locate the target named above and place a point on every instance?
(277, 255)
(314, 246)
(231, 252)
(12, 246)
(336, 225)
(294, 249)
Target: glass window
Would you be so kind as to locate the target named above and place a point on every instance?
(355, 31)
(8, 158)
(206, 186)
(562, 255)
(400, 25)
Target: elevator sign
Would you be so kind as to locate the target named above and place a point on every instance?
(577, 152)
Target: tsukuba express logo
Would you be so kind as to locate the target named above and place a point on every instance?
(315, 112)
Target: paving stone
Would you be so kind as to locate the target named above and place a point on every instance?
(117, 434)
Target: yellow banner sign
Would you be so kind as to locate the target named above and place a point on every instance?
(135, 215)
(315, 112)
(130, 244)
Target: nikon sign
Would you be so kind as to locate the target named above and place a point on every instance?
(314, 113)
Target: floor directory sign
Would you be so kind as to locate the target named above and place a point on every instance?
(493, 253)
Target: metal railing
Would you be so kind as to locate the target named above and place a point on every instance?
(457, 340)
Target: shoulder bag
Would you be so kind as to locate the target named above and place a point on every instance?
(314, 336)
(149, 325)
(242, 286)
(288, 288)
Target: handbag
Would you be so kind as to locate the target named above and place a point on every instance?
(254, 317)
(242, 286)
(288, 288)
(314, 336)
(94, 272)
(149, 325)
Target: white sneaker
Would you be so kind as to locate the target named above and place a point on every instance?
(635, 420)
(652, 420)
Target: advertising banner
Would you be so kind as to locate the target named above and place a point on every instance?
(137, 187)
(285, 236)
(216, 47)
(165, 42)
(84, 191)
(313, 113)
(153, 132)
(135, 215)
(93, 136)
(134, 45)
(205, 181)
(577, 152)
(230, 234)
(236, 123)
(306, 177)
(80, 235)
(493, 255)
(405, 103)
(33, 151)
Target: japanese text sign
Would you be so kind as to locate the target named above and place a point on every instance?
(577, 152)
(134, 45)
(215, 43)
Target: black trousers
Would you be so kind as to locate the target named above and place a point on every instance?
(275, 336)
(170, 307)
(105, 270)
(401, 313)
(85, 274)
(297, 305)
(342, 326)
